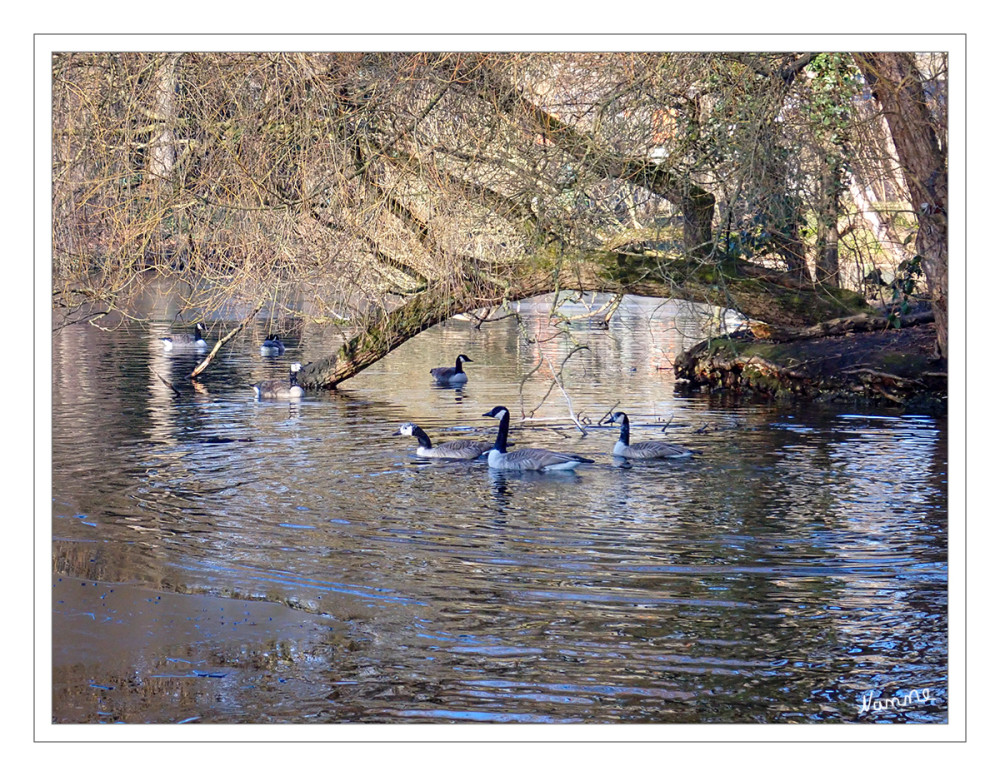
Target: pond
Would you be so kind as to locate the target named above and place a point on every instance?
(221, 559)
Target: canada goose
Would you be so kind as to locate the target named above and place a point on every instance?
(281, 389)
(643, 450)
(451, 375)
(529, 458)
(462, 449)
(273, 346)
(196, 340)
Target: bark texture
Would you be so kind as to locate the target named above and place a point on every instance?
(759, 293)
(897, 85)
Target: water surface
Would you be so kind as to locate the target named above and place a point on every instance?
(220, 559)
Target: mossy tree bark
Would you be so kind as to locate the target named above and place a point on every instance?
(771, 296)
(781, 299)
(828, 236)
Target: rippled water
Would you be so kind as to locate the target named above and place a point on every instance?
(220, 559)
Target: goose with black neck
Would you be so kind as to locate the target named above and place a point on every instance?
(529, 458)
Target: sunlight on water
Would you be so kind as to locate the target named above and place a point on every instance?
(796, 563)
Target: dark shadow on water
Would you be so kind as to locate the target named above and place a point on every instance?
(458, 390)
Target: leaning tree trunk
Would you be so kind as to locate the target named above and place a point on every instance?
(757, 292)
(696, 203)
(897, 85)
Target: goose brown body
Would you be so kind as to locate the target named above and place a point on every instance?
(281, 389)
(185, 339)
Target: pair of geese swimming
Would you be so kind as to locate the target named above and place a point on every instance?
(290, 389)
(278, 389)
(532, 458)
(272, 346)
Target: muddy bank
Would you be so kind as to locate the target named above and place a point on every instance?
(897, 367)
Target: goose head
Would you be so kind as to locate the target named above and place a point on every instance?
(617, 417)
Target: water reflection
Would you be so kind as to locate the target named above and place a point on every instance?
(798, 562)
(457, 391)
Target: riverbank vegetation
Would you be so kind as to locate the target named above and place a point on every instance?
(391, 191)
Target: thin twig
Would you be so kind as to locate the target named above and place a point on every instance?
(165, 381)
(559, 382)
(666, 425)
(556, 378)
(609, 412)
(218, 345)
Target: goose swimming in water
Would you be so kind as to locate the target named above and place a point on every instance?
(196, 340)
(527, 459)
(272, 346)
(462, 449)
(452, 375)
(281, 389)
(643, 450)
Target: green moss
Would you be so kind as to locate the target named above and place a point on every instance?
(764, 382)
(768, 351)
(891, 359)
(706, 274)
(751, 285)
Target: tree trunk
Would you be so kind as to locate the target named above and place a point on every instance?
(697, 204)
(162, 147)
(897, 85)
(828, 236)
(757, 292)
